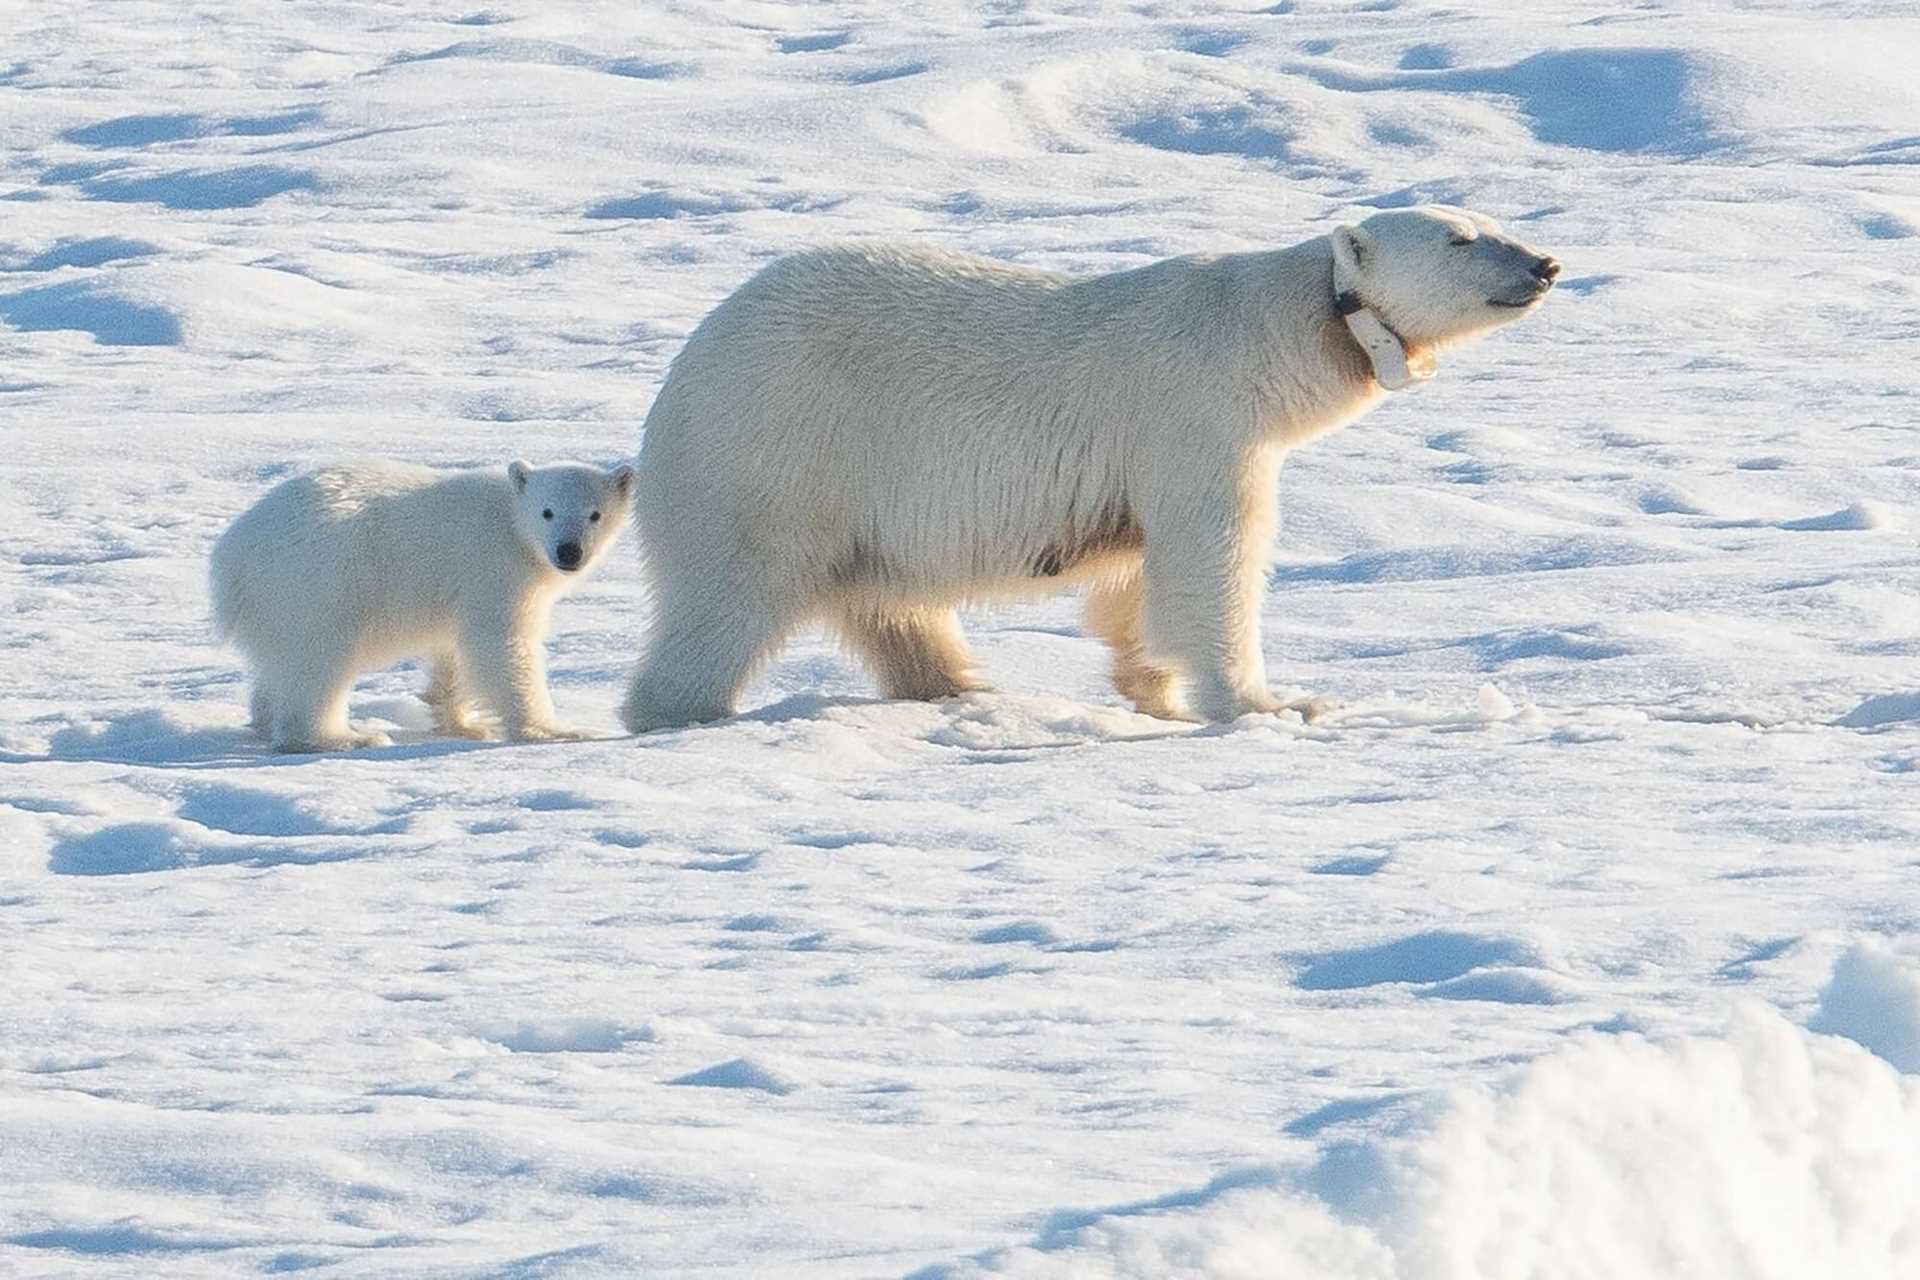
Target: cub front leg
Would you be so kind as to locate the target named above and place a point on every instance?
(504, 658)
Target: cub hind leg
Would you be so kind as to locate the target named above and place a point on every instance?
(449, 698)
(308, 704)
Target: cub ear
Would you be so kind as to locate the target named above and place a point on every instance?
(1352, 247)
(517, 472)
(623, 481)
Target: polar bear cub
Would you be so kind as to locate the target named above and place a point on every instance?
(352, 567)
(871, 435)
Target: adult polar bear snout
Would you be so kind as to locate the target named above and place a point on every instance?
(870, 435)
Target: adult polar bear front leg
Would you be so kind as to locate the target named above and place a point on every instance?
(259, 711)
(718, 617)
(1209, 540)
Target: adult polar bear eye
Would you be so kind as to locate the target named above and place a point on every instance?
(594, 518)
(547, 514)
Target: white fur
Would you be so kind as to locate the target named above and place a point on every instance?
(353, 567)
(870, 435)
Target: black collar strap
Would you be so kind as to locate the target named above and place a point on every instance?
(1393, 367)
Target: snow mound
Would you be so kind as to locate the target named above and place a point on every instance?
(172, 844)
(1490, 706)
(1598, 99)
(987, 722)
(147, 736)
(1434, 956)
(113, 319)
(1884, 708)
(1766, 1152)
(563, 1035)
(1874, 999)
(1858, 517)
(738, 1073)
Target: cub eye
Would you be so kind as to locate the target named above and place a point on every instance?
(547, 514)
(594, 518)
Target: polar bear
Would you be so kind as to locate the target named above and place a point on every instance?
(870, 435)
(352, 567)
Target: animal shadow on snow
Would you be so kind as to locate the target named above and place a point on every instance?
(152, 737)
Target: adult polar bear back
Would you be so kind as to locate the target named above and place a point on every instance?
(871, 435)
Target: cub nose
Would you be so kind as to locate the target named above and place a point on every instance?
(567, 555)
(1546, 270)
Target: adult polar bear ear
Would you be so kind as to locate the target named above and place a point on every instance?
(623, 479)
(517, 472)
(1393, 367)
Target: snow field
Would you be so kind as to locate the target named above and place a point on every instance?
(1501, 973)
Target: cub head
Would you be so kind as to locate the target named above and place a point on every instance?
(568, 514)
(1437, 275)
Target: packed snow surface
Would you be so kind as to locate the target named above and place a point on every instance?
(1581, 944)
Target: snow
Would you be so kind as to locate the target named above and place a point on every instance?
(1765, 1152)
(1874, 998)
(1503, 970)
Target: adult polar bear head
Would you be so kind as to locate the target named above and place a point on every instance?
(1412, 281)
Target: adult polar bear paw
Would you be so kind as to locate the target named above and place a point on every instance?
(1310, 707)
(871, 435)
(551, 733)
(1314, 708)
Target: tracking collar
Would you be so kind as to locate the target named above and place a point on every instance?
(1392, 367)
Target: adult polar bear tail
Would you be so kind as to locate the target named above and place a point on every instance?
(871, 435)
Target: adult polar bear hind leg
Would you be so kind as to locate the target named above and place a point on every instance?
(871, 435)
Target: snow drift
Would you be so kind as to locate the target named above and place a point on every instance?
(1766, 1152)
